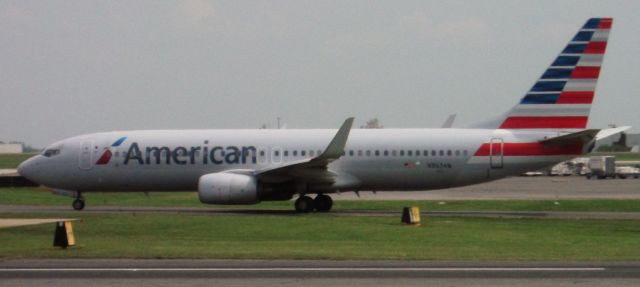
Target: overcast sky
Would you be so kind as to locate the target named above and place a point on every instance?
(74, 67)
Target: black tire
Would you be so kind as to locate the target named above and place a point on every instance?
(78, 204)
(304, 204)
(323, 203)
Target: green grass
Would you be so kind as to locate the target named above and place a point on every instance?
(324, 236)
(13, 160)
(42, 196)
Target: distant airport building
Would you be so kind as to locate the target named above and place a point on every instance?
(10, 148)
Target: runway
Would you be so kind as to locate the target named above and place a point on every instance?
(312, 273)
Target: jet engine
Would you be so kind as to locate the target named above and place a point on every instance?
(228, 188)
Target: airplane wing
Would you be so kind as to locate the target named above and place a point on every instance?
(314, 169)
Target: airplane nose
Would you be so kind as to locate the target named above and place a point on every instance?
(27, 168)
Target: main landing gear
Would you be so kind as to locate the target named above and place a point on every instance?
(78, 204)
(322, 203)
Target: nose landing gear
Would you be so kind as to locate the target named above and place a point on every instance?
(78, 204)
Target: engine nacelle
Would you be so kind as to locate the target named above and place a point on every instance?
(228, 188)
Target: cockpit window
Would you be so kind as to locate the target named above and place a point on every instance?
(51, 152)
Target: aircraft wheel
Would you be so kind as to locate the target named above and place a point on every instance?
(78, 204)
(304, 204)
(323, 203)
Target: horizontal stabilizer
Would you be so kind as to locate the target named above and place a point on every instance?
(584, 136)
(610, 132)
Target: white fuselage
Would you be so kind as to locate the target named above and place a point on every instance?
(374, 159)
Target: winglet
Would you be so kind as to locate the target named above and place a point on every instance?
(335, 149)
(449, 122)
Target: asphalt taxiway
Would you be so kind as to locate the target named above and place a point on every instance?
(107, 272)
(31, 209)
(519, 188)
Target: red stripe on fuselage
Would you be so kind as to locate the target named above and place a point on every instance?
(561, 122)
(530, 149)
(575, 98)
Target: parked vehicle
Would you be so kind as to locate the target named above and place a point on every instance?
(602, 167)
(627, 171)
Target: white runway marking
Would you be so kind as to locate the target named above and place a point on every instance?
(293, 269)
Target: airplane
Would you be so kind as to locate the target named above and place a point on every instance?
(547, 126)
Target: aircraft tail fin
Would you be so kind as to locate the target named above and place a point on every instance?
(561, 98)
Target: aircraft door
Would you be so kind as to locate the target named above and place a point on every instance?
(496, 152)
(85, 159)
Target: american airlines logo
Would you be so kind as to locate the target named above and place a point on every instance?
(106, 154)
(183, 155)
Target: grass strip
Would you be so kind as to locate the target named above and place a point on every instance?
(323, 236)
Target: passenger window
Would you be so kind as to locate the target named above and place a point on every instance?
(464, 152)
(351, 153)
(409, 153)
(295, 153)
(425, 152)
(377, 153)
(449, 152)
(261, 153)
(368, 153)
(311, 153)
(441, 153)
(386, 153)
(286, 153)
(394, 153)
(359, 152)
(417, 153)
(401, 152)
(303, 153)
(433, 153)
(457, 152)
(277, 153)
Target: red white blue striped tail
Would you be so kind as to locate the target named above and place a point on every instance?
(562, 96)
